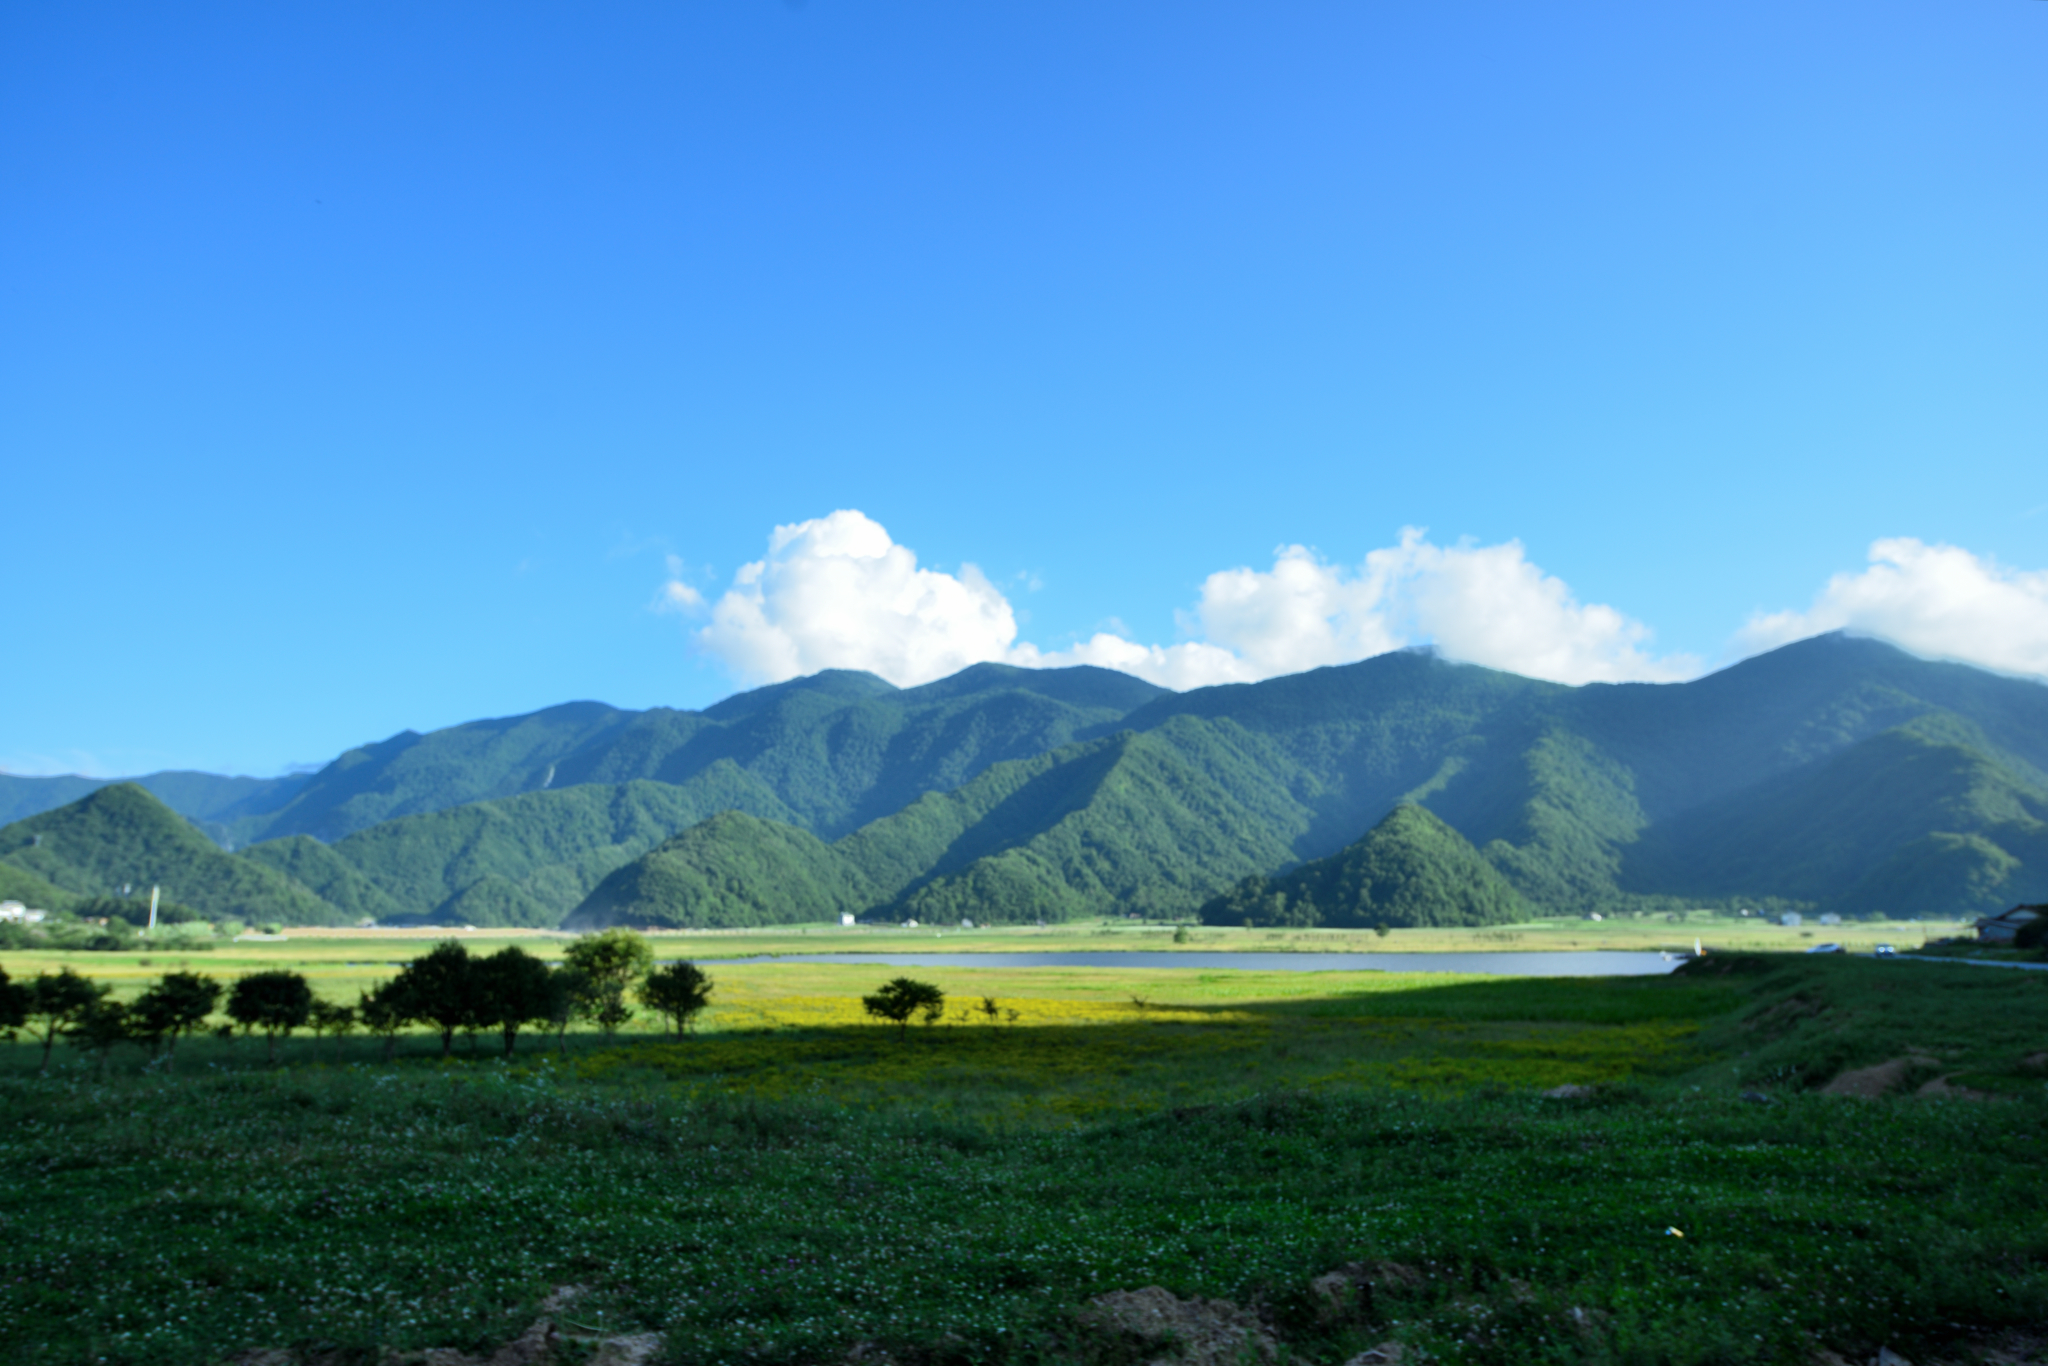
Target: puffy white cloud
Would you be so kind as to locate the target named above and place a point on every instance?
(1931, 599)
(837, 593)
(1481, 604)
(1191, 664)
(1489, 605)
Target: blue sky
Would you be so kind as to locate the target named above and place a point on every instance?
(375, 366)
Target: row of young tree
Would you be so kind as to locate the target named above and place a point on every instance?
(447, 988)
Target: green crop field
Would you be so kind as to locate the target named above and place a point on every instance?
(795, 1184)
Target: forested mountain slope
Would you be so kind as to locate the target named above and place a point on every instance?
(1149, 822)
(837, 748)
(1837, 772)
(1409, 870)
(524, 860)
(119, 840)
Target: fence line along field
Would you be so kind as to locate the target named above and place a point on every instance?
(1757, 1159)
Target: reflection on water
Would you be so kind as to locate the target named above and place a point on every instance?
(1579, 964)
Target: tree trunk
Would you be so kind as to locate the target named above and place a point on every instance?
(271, 1038)
(447, 1042)
(511, 1033)
(390, 1046)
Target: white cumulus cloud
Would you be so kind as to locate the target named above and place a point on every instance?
(1489, 605)
(838, 592)
(1481, 604)
(1930, 599)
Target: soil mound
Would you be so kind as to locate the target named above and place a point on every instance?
(1193, 1332)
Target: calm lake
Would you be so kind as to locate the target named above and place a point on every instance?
(1582, 964)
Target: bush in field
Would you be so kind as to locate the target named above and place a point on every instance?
(13, 1005)
(330, 1018)
(903, 998)
(99, 1027)
(439, 988)
(610, 963)
(384, 1011)
(678, 992)
(175, 1006)
(55, 1003)
(568, 989)
(512, 989)
(276, 1002)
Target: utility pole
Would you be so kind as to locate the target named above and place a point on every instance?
(152, 910)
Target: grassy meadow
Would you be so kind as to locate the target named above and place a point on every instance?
(794, 1184)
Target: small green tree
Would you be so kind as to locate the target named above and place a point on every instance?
(568, 988)
(98, 1028)
(678, 992)
(175, 1006)
(990, 1009)
(384, 1010)
(276, 1002)
(512, 989)
(55, 1003)
(902, 998)
(611, 963)
(329, 1017)
(440, 987)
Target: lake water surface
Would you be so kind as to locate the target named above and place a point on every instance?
(1587, 963)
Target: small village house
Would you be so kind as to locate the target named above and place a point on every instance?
(2005, 927)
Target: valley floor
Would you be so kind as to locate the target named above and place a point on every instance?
(796, 1186)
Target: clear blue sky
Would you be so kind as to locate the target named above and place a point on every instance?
(360, 365)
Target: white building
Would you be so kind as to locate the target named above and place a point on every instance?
(16, 913)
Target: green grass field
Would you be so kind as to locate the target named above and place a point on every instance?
(794, 1185)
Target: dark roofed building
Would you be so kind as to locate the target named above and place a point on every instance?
(2006, 926)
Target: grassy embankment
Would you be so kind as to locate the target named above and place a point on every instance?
(793, 1184)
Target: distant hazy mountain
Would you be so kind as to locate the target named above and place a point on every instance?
(209, 800)
(1839, 772)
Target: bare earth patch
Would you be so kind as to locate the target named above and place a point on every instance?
(1192, 1332)
(1868, 1083)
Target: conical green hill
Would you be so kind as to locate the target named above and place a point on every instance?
(1409, 870)
(120, 837)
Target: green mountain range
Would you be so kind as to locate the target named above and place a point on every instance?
(1837, 772)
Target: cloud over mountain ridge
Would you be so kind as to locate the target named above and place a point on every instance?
(839, 592)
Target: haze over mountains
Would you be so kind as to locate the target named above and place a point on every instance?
(1838, 772)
